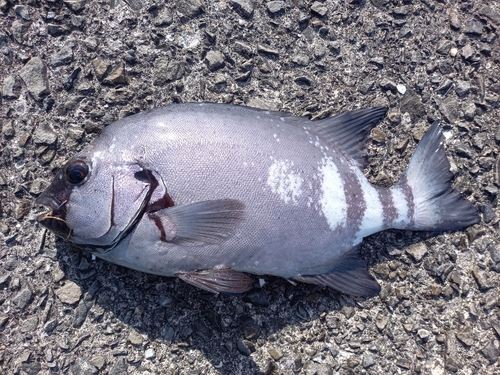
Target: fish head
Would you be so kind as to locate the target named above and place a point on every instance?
(94, 202)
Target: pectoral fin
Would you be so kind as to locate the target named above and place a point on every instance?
(223, 280)
(205, 222)
(349, 276)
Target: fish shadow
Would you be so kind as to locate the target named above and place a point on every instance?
(226, 329)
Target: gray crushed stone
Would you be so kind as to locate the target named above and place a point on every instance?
(69, 68)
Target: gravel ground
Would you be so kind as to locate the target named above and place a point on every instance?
(68, 68)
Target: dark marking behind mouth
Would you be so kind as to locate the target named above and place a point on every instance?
(164, 202)
(159, 225)
(145, 176)
(55, 220)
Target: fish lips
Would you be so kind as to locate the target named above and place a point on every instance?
(55, 219)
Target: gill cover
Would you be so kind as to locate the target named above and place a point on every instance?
(94, 204)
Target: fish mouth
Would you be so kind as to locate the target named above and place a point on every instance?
(55, 218)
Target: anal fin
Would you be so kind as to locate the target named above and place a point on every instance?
(221, 280)
(349, 275)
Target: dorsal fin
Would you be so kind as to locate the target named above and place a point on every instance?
(348, 131)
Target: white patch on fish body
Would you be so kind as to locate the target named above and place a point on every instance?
(373, 217)
(111, 148)
(310, 201)
(333, 201)
(171, 136)
(284, 181)
(96, 156)
(401, 205)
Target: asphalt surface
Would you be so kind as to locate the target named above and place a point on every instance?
(69, 68)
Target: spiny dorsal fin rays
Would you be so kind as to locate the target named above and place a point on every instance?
(348, 131)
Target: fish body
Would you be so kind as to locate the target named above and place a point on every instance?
(209, 192)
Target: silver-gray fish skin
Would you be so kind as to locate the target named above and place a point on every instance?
(209, 192)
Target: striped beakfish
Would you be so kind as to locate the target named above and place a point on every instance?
(210, 192)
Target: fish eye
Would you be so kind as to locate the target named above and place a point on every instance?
(77, 172)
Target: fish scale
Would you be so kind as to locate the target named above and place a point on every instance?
(210, 192)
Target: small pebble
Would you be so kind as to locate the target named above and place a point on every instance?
(150, 354)
(401, 89)
(417, 251)
(69, 293)
(275, 353)
(275, 6)
(378, 135)
(423, 334)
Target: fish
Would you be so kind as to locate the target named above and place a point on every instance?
(211, 193)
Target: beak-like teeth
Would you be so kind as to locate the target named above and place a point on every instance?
(53, 219)
(40, 217)
(47, 202)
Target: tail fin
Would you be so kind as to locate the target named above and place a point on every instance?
(436, 206)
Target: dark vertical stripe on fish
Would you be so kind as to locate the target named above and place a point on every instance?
(408, 193)
(355, 199)
(389, 209)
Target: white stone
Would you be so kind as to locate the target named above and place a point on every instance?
(150, 354)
